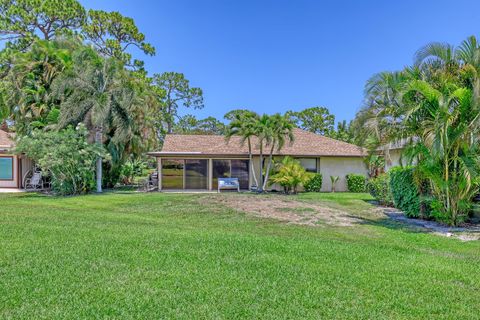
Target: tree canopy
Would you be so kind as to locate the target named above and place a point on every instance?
(22, 21)
(112, 34)
(316, 119)
(177, 92)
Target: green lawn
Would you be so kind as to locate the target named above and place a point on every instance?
(144, 256)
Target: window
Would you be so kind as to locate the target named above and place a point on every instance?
(6, 168)
(196, 174)
(310, 164)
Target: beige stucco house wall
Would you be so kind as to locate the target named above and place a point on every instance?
(340, 166)
(327, 166)
(393, 159)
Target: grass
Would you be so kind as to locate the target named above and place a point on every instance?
(143, 256)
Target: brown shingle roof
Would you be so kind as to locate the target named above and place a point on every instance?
(305, 144)
(6, 140)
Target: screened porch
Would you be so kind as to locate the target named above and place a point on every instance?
(201, 174)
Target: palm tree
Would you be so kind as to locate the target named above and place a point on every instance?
(447, 56)
(268, 131)
(244, 124)
(280, 130)
(27, 98)
(447, 125)
(334, 180)
(378, 122)
(95, 92)
(264, 133)
(434, 106)
(290, 174)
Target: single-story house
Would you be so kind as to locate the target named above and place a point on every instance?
(393, 153)
(13, 167)
(193, 162)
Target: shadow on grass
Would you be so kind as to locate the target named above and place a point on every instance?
(392, 224)
(395, 219)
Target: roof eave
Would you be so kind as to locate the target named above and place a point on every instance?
(203, 154)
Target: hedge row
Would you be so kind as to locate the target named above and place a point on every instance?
(399, 188)
(405, 193)
(379, 188)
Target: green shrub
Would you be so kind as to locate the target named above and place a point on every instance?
(314, 184)
(405, 192)
(66, 155)
(379, 188)
(130, 169)
(290, 174)
(355, 182)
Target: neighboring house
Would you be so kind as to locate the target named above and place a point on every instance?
(189, 162)
(393, 153)
(12, 167)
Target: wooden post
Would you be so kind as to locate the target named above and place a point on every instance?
(210, 174)
(159, 170)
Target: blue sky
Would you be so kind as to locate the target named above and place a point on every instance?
(274, 55)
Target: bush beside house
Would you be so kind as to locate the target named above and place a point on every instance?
(314, 184)
(290, 175)
(66, 156)
(405, 192)
(379, 188)
(356, 182)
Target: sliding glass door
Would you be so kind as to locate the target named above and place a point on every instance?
(178, 174)
(196, 174)
(240, 171)
(181, 174)
(223, 168)
(172, 174)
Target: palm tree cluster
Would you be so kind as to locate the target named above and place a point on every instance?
(433, 107)
(265, 133)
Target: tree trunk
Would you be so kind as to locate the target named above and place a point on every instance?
(4, 126)
(170, 120)
(98, 140)
(250, 160)
(260, 180)
(269, 165)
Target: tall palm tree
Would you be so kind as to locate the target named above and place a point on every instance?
(434, 106)
(95, 92)
(447, 125)
(244, 125)
(281, 129)
(378, 122)
(264, 133)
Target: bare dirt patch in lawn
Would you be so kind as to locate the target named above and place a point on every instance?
(283, 209)
(317, 212)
